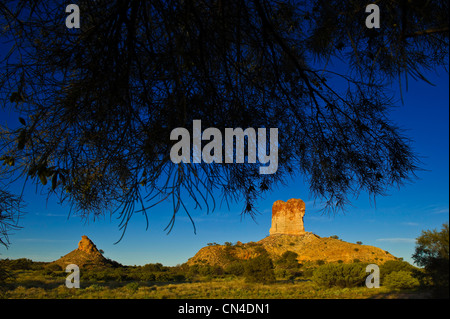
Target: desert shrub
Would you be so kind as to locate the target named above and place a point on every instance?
(260, 250)
(193, 270)
(5, 275)
(308, 272)
(18, 264)
(395, 265)
(169, 277)
(288, 274)
(400, 280)
(320, 262)
(95, 287)
(236, 268)
(178, 277)
(53, 271)
(280, 273)
(132, 286)
(163, 277)
(288, 260)
(123, 274)
(104, 274)
(147, 276)
(341, 275)
(259, 269)
(113, 263)
(208, 270)
(228, 253)
(53, 267)
(204, 270)
(153, 267)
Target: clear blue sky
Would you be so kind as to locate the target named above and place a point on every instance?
(393, 224)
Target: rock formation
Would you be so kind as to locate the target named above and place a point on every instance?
(287, 220)
(86, 254)
(87, 246)
(287, 217)
(309, 248)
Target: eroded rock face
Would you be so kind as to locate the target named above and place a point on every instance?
(287, 217)
(86, 255)
(87, 246)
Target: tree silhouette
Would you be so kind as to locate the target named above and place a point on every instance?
(97, 104)
(10, 211)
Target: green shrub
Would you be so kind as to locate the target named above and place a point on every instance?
(288, 260)
(95, 287)
(18, 264)
(259, 269)
(236, 268)
(163, 277)
(320, 262)
(147, 276)
(289, 274)
(228, 253)
(400, 280)
(132, 286)
(395, 265)
(178, 277)
(153, 267)
(51, 269)
(4, 276)
(340, 275)
(308, 272)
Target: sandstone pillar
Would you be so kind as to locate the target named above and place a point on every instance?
(287, 217)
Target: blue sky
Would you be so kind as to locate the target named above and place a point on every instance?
(392, 224)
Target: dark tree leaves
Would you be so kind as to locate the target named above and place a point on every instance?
(98, 103)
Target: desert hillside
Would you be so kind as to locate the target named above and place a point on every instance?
(308, 246)
(288, 234)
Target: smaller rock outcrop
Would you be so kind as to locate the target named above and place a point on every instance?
(86, 255)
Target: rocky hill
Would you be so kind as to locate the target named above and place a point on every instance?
(288, 234)
(86, 255)
(309, 247)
